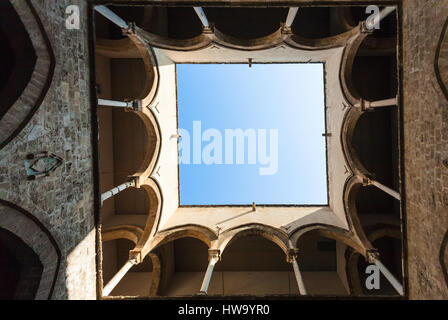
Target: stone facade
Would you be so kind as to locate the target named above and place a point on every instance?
(425, 146)
(63, 202)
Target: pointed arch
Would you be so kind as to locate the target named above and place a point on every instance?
(351, 269)
(340, 40)
(25, 106)
(30, 230)
(153, 145)
(155, 208)
(349, 122)
(330, 232)
(126, 231)
(441, 59)
(204, 234)
(277, 236)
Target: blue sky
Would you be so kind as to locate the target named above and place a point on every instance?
(285, 97)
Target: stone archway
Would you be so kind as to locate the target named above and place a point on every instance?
(24, 102)
(441, 60)
(24, 226)
(375, 233)
(20, 268)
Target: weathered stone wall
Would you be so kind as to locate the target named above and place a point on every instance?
(63, 202)
(426, 146)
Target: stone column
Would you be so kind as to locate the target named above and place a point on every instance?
(135, 105)
(213, 258)
(110, 15)
(118, 276)
(201, 14)
(292, 12)
(372, 257)
(370, 24)
(292, 258)
(393, 193)
(106, 195)
(371, 105)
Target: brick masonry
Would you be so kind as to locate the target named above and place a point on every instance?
(63, 202)
(426, 147)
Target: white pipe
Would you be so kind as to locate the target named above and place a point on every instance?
(382, 14)
(106, 195)
(117, 277)
(201, 14)
(299, 279)
(109, 14)
(291, 16)
(390, 277)
(113, 103)
(208, 275)
(388, 190)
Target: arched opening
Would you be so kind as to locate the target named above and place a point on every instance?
(375, 141)
(375, 206)
(17, 54)
(20, 268)
(9, 272)
(175, 23)
(121, 73)
(137, 281)
(184, 262)
(358, 13)
(125, 66)
(375, 72)
(378, 82)
(129, 207)
(390, 255)
(246, 23)
(320, 22)
(128, 140)
(254, 265)
(8, 57)
(388, 26)
(171, 22)
(125, 144)
(322, 264)
(369, 70)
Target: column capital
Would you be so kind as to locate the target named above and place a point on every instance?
(210, 29)
(129, 30)
(364, 105)
(366, 181)
(363, 28)
(372, 255)
(367, 105)
(134, 105)
(285, 29)
(214, 254)
(136, 181)
(292, 255)
(136, 256)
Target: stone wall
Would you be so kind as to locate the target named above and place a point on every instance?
(63, 202)
(425, 147)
